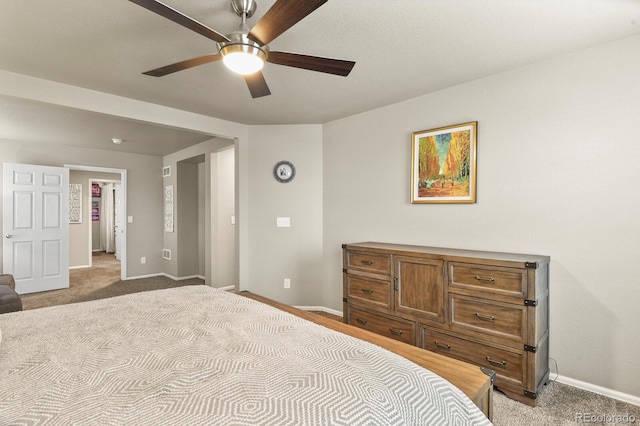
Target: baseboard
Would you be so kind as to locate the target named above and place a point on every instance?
(80, 267)
(321, 309)
(189, 277)
(620, 396)
(227, 288)
(162, 274)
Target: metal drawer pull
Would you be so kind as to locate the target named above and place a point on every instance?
(442, 346)
(485, 317)
(497, 363)
(366, 262)
(487, 279)
(361, 321)
(368, 291)
(395, 332)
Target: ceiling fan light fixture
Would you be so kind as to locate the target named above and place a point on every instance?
(243, 59)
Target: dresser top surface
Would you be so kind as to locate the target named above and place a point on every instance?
(450, 252)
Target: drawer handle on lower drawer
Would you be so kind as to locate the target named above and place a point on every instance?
(497, 363)
(361, 321)
(442, 346)
(487, 279)
(366, 262)
(367, 291)
(485, 317)
(395, 332)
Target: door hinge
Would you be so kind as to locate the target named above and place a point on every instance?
(344, 270)
(531, 265)
(528, 302)
(344, 246)
(530, 394)
(530, 348)
(345, 300)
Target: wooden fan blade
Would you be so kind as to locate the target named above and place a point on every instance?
(283, 15)
(257, 85)
(313, 63)
(179, 66)
(180, 18)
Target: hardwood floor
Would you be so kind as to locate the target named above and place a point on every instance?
(328, 315)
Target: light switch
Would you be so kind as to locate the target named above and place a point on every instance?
(129, 219)
(233, 220)
(283, 222)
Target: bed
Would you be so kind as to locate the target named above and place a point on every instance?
(196, 355)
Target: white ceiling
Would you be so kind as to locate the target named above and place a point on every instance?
(402, 49)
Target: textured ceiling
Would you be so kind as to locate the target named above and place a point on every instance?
(402, 49)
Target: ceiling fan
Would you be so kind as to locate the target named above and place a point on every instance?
(245, 50)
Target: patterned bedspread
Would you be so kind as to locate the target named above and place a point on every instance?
(199, 356)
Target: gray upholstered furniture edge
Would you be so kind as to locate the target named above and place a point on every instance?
(10, 301)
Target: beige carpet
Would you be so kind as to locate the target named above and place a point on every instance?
(558, 404)
(100, 281)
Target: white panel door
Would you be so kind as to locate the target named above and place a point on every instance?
(35, 222)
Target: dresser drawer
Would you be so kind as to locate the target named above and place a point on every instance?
(369, 262)
(509, 365)
(503, 320)
(490, 279)
(394, 328)
(369, 290)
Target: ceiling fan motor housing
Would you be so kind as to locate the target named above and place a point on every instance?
(239, 42)
(244, 7)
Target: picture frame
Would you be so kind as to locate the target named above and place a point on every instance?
(443, 164)
(96, 190)
(95, 211)
(168, 208)
(75, 203)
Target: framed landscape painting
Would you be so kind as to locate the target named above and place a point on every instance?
(443, 164)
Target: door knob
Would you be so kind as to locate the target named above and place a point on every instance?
(9, 236)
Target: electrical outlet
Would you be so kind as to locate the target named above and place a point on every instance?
(287, 283)
(143, 260)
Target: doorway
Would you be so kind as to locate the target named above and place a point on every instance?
(116, 180)
(105, 236)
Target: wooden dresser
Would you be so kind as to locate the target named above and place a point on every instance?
(489, 309)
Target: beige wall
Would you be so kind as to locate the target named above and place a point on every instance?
(144, 192)
(81, 233)
(295, 252)
(557, 175)
(187, 219)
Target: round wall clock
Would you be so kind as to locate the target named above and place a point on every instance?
(284, 171)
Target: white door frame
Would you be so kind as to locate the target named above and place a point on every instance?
(123, 181)
(90, 245)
